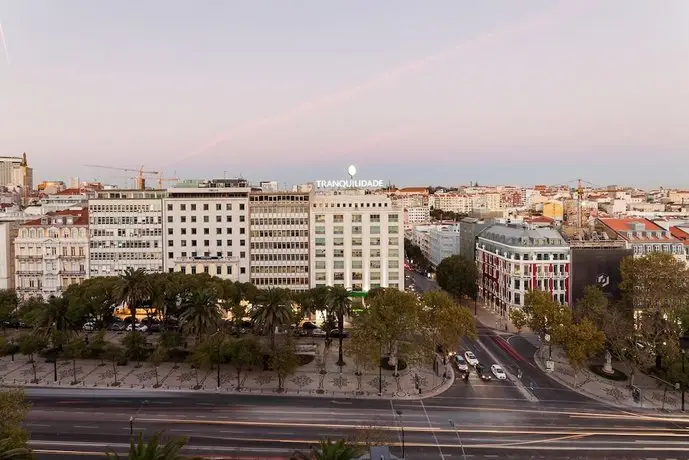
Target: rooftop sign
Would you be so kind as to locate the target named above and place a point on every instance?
(351, 182)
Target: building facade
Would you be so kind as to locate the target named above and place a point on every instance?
(444, 241)
(513, 259)
(642, 236)
(469, 228)
(126, 231)
(7, 168)
(279, 236)
(8, 233)
(206, 229)
(51, 253)
(357, 241)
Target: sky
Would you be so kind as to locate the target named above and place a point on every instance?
(412, 92)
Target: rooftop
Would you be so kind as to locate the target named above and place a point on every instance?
(519, 235)
(80, 217)
(639, 230)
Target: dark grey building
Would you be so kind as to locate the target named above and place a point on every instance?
(469, 228)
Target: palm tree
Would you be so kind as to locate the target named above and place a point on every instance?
(51, 318)
(200, 312)
(272, 312)
(340, 304)
(133, 288)
(7, 452)
(329, 450)
(155, 449)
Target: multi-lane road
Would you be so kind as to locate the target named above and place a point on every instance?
(527, 417)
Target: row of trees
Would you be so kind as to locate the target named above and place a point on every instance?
(643, 328)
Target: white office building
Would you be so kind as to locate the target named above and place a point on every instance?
(357, 241)
(444, 241)
(125, 228)
(206, 228)
(8, 166)
(279, 232)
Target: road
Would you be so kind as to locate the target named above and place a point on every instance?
(66, 423)
(532, 417)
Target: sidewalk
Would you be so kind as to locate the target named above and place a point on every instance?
(655, 396)
(306, 381)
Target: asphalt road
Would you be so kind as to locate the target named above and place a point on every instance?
(532, 417)
(68, 423)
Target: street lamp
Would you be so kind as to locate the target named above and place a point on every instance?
(380, 367)
(399, 419)
(459, 440)
(684, 346)
(136, 414)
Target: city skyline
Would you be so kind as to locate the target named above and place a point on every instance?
(517, 95)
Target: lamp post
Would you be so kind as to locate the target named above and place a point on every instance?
(217, 350)
(459, 440)
(399, 419)
(380, 367)
(133, 417)
(684, 346)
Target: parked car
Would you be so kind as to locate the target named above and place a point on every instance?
(498, 372)
(335, 333)
(89, 326)
(308, 325)
(138, 327)
(318, 332)
(471, 358)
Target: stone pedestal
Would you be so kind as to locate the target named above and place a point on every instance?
(607, 367)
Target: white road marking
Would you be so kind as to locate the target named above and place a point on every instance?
(442, 457)
(88, 427)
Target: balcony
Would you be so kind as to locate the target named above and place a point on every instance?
(29, 257)
(72, 272)
(206, 260)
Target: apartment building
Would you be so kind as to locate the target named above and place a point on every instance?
(206, 228)
(444, 241)
(279, 240)
(454, 202)
(643, 236)
(416, 215)
(51, 253)
(512, 259)
(356, 241)
(126, 230)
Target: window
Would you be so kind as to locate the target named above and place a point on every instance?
(229, 243)
(338, 230)
(242, 242)
(356, 264)
(242, 218)
(206, 231)
(170, 231)
(320, 218)
(218, 269)
(320, 265)
(375, 264)
(320, 230)
(338, 218)
(375, 252)
(243, 269)
(170, 243)
(356, 230)
(393, 218)
(356, 217)
(228, 218)
(193, 207)
(183, 219)
(228, 207)
(393, 252)
(374, 276)
(206, 242)
(169, 207)
(242, 231)
(320, 241)
(206, 219)
(218, 242)
(375, 218)
(170, 255)
(338, 264)
(338, 252)
(193, 231)
(394, 276)
(392, 263)
(183, 207)
(229, 230)
(205, 206)
(193, 242)
(393, 241)
(241, 206)
(356, 241)
(357, 253)
(320, 276)
(320, 252)
(218, 231)
(218, 219)
(393, 229)
(375, 242)
(193, 218)
(218, 207)
(338, 242)
(375, 229)
(169, 219)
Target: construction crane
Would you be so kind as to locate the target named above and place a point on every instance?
(162, 180)
(580, 198)
(140, 178)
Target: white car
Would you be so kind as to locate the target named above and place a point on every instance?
(471, 358)
(318, 332)
(139, 328)
(461, 363)
(498, 372)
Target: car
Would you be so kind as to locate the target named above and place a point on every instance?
(138, 328)
(89, 326)
(318, 332)
(498, 372)
(471, 358)
(461, 363)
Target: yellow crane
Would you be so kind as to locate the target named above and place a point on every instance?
(162, 180)
(140, 178)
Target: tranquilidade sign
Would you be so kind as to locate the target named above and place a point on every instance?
(350, 183)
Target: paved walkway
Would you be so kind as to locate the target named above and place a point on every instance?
(655, 395)
(309, 380)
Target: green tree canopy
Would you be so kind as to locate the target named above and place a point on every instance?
(458, 276)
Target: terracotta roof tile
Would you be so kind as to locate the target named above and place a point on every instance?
(622, 226)
(82, 217)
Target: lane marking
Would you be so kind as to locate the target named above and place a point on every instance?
(442, 457)
(87, 427)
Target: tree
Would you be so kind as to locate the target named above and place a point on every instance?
(340, 304)
(73, 350)
(97, 345)
(29, 345)
(156, 448)
(330, 450)
(594, 306)
(7, 452)
(8, 305)
(113, 353)
(446, 322)
(201, 313)
(158, 357)
(51, 319)
(363, 350)
(545, 316)
(135, 347)
(245, 353)
(133, 289)
(518, 318)
(93, 298)
(172, 341)
(284, 361)
(582, 342)
(394, 321)
(458, 276)
(14, 408)
(272, 312)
